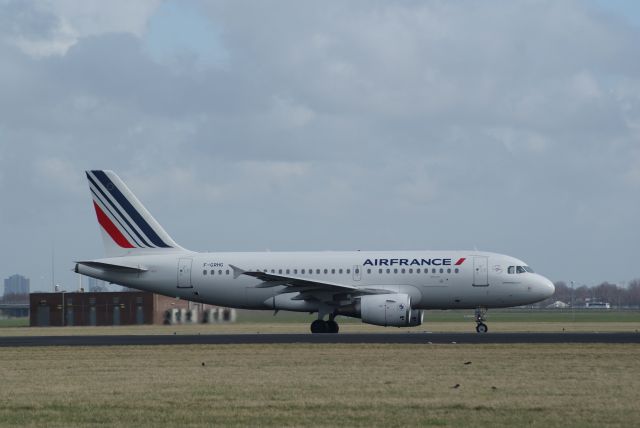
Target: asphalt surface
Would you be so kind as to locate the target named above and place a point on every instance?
(351, 338)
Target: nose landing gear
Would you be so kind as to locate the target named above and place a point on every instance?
(481, 327)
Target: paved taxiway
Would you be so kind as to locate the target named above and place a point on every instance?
(393, 338)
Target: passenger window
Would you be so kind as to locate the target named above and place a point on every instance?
(379, 270)
(227, 272)
(348, 270)
(418, 270)
(302, 271)
(433, 270)
(356, 271)
(340, 271)
(333, 271)
(410, 270)
(457, 270)
(388, 270)
(441, 270)
(295, 271)
(368, 270)
(448, 270)
(212, 272)
(395, 270)
(402, 271)
(204, 272)
(220, 272)
(318, 271)
(326, 271)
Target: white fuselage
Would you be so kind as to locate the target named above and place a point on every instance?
(433, 279)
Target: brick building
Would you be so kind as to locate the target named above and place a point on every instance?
(119, 308)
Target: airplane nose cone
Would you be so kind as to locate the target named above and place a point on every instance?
(547, 288)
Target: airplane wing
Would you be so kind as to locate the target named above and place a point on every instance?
(302, 285)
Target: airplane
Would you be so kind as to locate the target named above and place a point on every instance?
(385, 288)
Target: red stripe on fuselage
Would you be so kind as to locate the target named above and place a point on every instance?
(111, 228)
(460, 261)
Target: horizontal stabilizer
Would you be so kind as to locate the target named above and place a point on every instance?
(111, 267)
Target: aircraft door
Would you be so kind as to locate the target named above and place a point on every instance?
(357, 273)
(480, 271)
(184, 273)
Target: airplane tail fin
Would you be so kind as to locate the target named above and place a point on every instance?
(127, 227)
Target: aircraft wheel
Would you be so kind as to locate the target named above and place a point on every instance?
(482, 328)
(319, 326)
(332, 326)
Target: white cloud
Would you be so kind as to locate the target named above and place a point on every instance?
(59, 175)
(63, 38)
(520, 142)
(275, 172)
(93, 17)
(53, 26)
(287, 114)
(584, 86)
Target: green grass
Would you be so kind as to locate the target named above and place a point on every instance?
(460, 315)
(14, 322)
(322, 385)
(435, 321)
(505, 320)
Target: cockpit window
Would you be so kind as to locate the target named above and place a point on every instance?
(519, 269)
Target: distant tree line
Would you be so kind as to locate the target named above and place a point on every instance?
(606, 292)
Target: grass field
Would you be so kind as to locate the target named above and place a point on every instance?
(274, 327)
(14, 322)
(322, 385)
(435, 321)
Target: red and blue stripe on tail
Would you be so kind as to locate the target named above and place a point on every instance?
(126, 224)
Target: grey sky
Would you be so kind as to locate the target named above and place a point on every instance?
(505, 126)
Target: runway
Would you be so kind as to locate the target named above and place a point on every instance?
(344, 338)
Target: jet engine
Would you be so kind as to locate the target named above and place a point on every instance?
(389, 310)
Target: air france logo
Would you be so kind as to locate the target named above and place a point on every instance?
(413, 262)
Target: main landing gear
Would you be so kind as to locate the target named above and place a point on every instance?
(481, 327)
(321, 326)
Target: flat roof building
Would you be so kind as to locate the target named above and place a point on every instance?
(119, 308)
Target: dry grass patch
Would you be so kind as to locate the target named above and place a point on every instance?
(322, 385)
(299, 327)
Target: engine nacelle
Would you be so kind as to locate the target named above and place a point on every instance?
(389, 310)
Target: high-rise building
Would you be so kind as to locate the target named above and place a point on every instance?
(16, 284)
